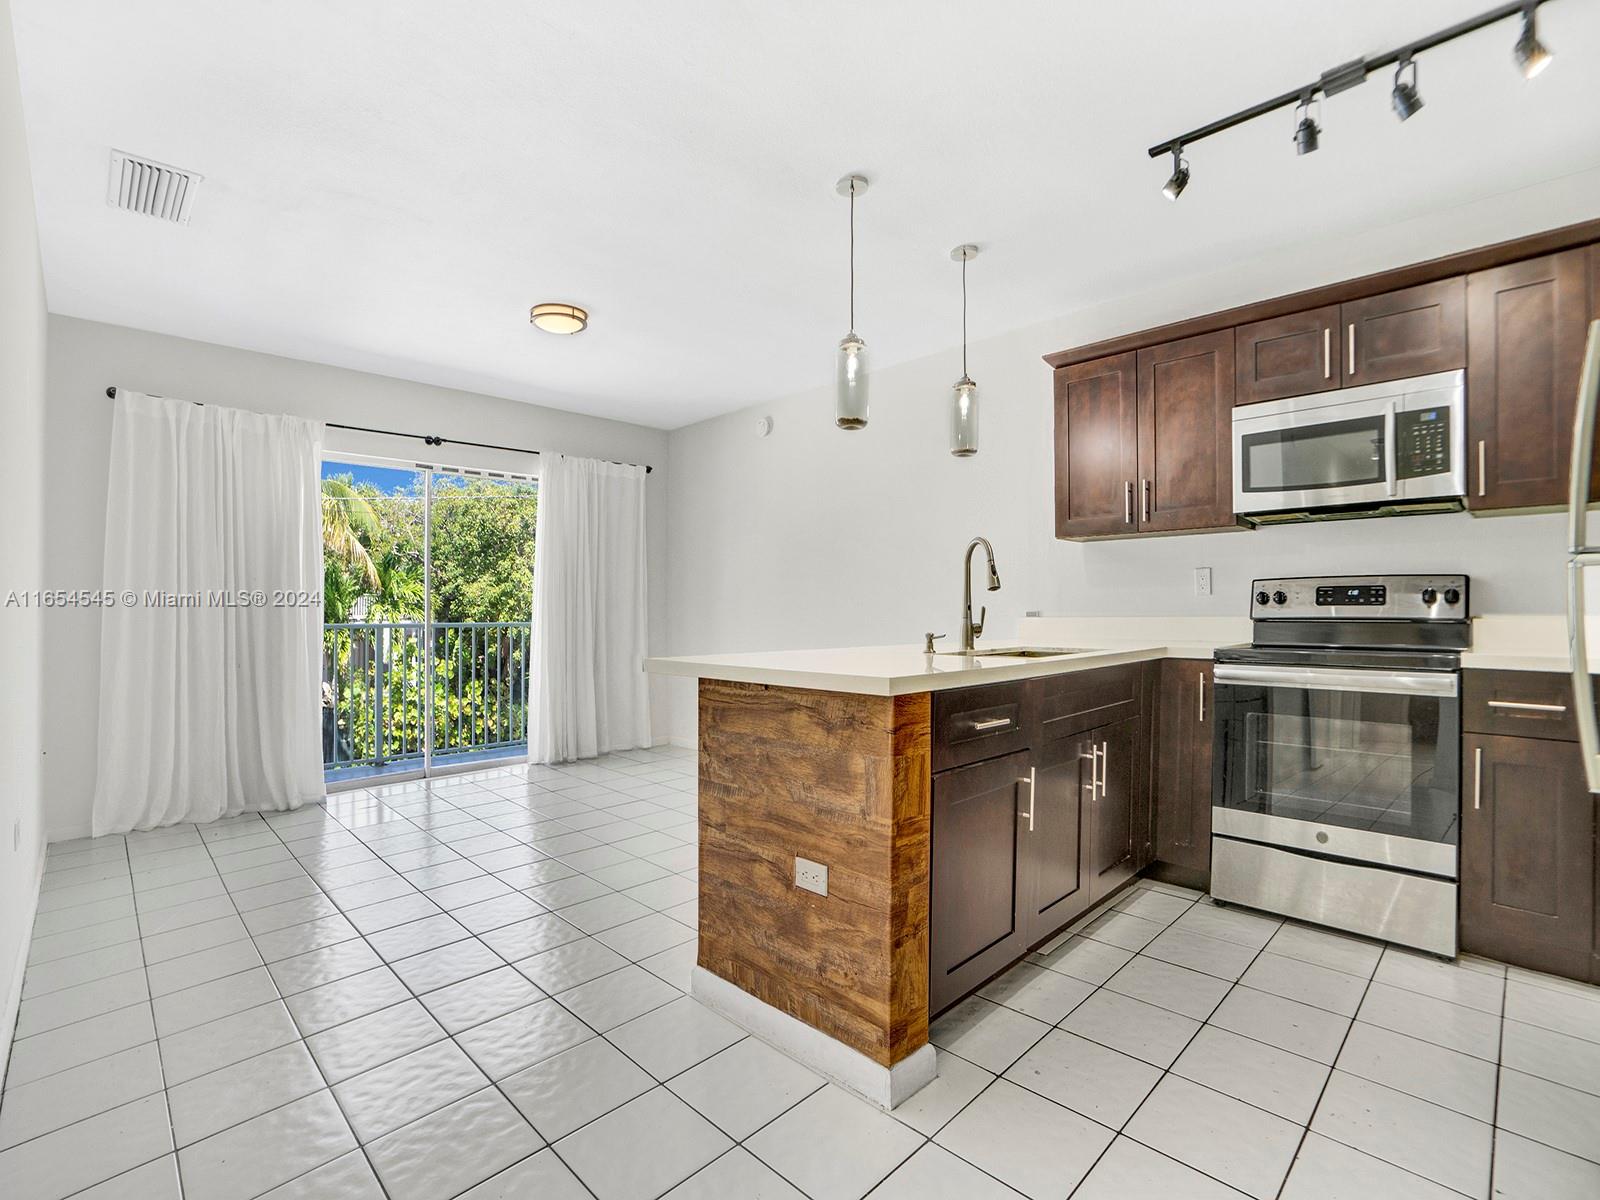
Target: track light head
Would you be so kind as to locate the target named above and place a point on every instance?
(1405, 98)
(1529, 53)
(1307, 131)
(1179, 179)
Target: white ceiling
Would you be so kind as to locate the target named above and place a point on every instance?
(391, 183)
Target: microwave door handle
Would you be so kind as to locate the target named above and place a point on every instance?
(1391, 452)
(1582, 556)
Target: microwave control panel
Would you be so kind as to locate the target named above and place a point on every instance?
(1422, 442)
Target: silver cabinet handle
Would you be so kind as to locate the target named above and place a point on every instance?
(1127, 503)
(1482, 482)
(1528, 706)
(990, 723)
(1582, 556)
(1327, 352)
(1477, 778)
(1032, 782)
(1104, 767)
(1144, 489)
(1352, 355)
(1202, 697)
(1391, 467)
(1094, 772)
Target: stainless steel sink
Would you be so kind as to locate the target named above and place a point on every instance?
(1020, 652)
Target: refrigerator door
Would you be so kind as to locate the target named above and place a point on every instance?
(1581, 556)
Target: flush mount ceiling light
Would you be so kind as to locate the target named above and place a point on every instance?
(1404, 98)
(964, 400)
(559, 318)
(1529, 53)
(850, 386)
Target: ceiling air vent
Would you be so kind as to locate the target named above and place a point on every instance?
(139, 185)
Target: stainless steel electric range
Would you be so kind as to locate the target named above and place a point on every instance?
(1336, 789)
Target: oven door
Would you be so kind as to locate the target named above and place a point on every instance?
(1360, 765)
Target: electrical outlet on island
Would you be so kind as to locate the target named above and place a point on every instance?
(812, 876)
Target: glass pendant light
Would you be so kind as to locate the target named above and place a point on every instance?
(964, 401)
(850, 399)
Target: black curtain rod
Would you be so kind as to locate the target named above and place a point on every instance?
(430, 439)
(1349, 74)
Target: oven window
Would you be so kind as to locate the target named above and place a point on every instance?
(1330, 455)
(1360, 760)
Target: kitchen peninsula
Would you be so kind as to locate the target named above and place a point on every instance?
(820, 873)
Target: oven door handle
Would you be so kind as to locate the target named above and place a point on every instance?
(1327, 679)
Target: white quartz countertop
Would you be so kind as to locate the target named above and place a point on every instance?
(1499, 642)
(889, 670)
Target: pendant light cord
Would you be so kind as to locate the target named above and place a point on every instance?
(852, 256)
(963, 316)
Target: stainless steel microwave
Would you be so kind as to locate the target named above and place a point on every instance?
(1377, 447)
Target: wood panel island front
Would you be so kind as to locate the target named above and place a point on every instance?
(882, 831)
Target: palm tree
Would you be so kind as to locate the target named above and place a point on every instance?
(347, 518)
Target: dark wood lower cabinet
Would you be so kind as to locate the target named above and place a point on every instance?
(977, 917)
(1181, 761)
(1052, 836)
(1114, 824)
(1528, 869)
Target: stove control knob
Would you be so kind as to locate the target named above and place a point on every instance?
(1451, 596)
(1280, 598)
(1429, 595)
(1262, 598)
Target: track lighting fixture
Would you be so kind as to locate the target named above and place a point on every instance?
(1529, 53)
(1405, 99)
(1307, 131)
(1179, 179)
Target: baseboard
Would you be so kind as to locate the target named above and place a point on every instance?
(684, 743)
(67, 833)
(8, 1017)
(828, 1057)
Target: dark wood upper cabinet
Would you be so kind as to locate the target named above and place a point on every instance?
(977, 923)
(1186, 393)
(1182, 764)
(1528, 854)
(1526, 326)
(1289, 356)
(1096, 447)
(1415, 331)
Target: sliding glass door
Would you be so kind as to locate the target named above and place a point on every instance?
(427, 601)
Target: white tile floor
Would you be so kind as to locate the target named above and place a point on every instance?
(475, 988)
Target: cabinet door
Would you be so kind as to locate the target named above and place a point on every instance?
(1288, 356)
(1114, 821)
(1415, 331)
(1183, 767)
(1527, 322)
(1053, 836)
(975, 918)
(1096, 447)
(1185, 434)
(1527, 854)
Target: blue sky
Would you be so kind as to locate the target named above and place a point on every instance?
(385, 479)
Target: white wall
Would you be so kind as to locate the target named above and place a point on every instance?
(85, 357)
(816, 537)
(22, 373)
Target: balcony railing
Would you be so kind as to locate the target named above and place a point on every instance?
(379, 678)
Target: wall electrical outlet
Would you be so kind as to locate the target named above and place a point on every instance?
(1202, 581)
(812, 876)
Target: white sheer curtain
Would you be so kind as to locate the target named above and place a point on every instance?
(209, 680)
(588, 694)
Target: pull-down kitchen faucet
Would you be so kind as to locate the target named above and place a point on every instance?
(972, 630)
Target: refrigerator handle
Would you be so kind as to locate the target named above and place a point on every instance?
(1582, 556)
